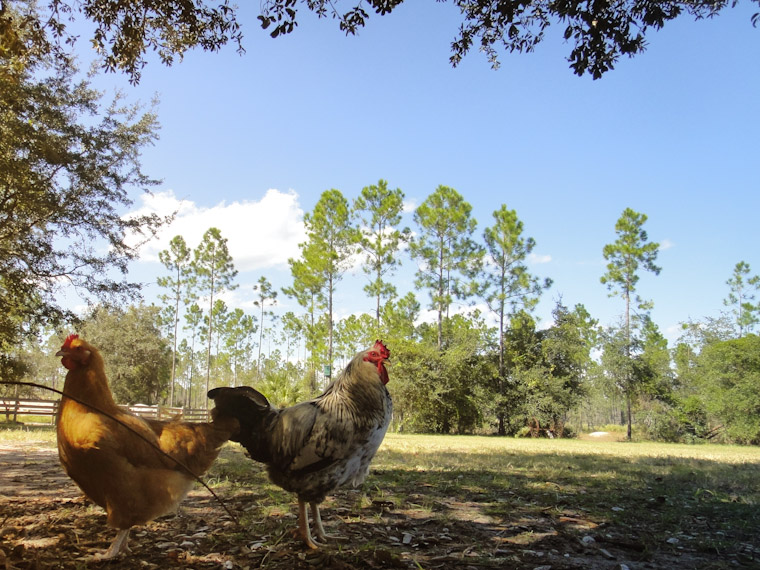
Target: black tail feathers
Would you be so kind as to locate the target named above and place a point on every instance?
(254, 413)
(244, 394)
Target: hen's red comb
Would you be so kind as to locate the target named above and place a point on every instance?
(69, 339)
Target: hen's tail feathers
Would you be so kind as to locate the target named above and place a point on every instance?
(254, 413)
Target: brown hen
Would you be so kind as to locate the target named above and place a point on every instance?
(116, 468)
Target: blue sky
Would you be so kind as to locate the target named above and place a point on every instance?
(248, 143)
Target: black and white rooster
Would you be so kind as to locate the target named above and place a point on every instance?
(316, 446)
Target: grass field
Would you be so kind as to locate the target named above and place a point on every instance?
(486, 502)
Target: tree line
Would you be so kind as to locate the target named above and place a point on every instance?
(69, 161)
(460, 373)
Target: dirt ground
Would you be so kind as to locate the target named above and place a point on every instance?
(45, 522)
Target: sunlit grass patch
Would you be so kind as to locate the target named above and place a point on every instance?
(43, 436)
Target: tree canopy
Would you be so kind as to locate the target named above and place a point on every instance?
(598, 33)
(67, 167)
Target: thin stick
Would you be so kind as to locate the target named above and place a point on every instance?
(138, 434)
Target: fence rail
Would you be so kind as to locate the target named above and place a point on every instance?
(14, 407)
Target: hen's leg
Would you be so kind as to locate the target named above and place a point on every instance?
(118, 546)
(303, 526)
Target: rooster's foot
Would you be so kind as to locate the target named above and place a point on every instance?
(319, 530)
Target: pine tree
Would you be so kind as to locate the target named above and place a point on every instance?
(176, 259)
(445, 252)
(214, 272)
(266, 295)
(331, 240)
(380, 212)
(741, 296)
(630, 252)
(504, 281)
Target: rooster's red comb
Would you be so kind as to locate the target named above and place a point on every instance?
(380, 347)
(69, 339)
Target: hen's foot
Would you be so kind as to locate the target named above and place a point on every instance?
(118, 546)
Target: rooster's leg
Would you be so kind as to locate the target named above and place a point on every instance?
(118, 546)
(319, 530)
(303, 526)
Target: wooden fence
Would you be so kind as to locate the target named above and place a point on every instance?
(15, 407)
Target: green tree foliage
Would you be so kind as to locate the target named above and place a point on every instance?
(639, 367)
(14, 368)
(696, 414)
(400, 316)
(656, 387)
(137, 358)
(193, 320)
(444, 250)
(292, 329)
(728, 379)
(213, 272)
(238, 331)
(655, 359)
(629, 253)
(283, 384)
(176, 259)
(625, 257)
(67, 165)
(598, 33)
(332, 241)
(355, 333)
(566, 352)
(740, 298)
(220, 315)
(125, 31)
(698, 334)
(522, 353)
(267, 295)
(617, 365)
(440, 391)
(504, 281)
(307, 290)
(32, 360)
(380, 210)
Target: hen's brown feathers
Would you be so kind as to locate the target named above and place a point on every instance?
(114, 457)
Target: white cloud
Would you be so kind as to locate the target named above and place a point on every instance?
(260, 234)
(666, 244)
(409, 206)
(536, 259)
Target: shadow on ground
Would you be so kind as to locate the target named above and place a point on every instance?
(657, 514)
